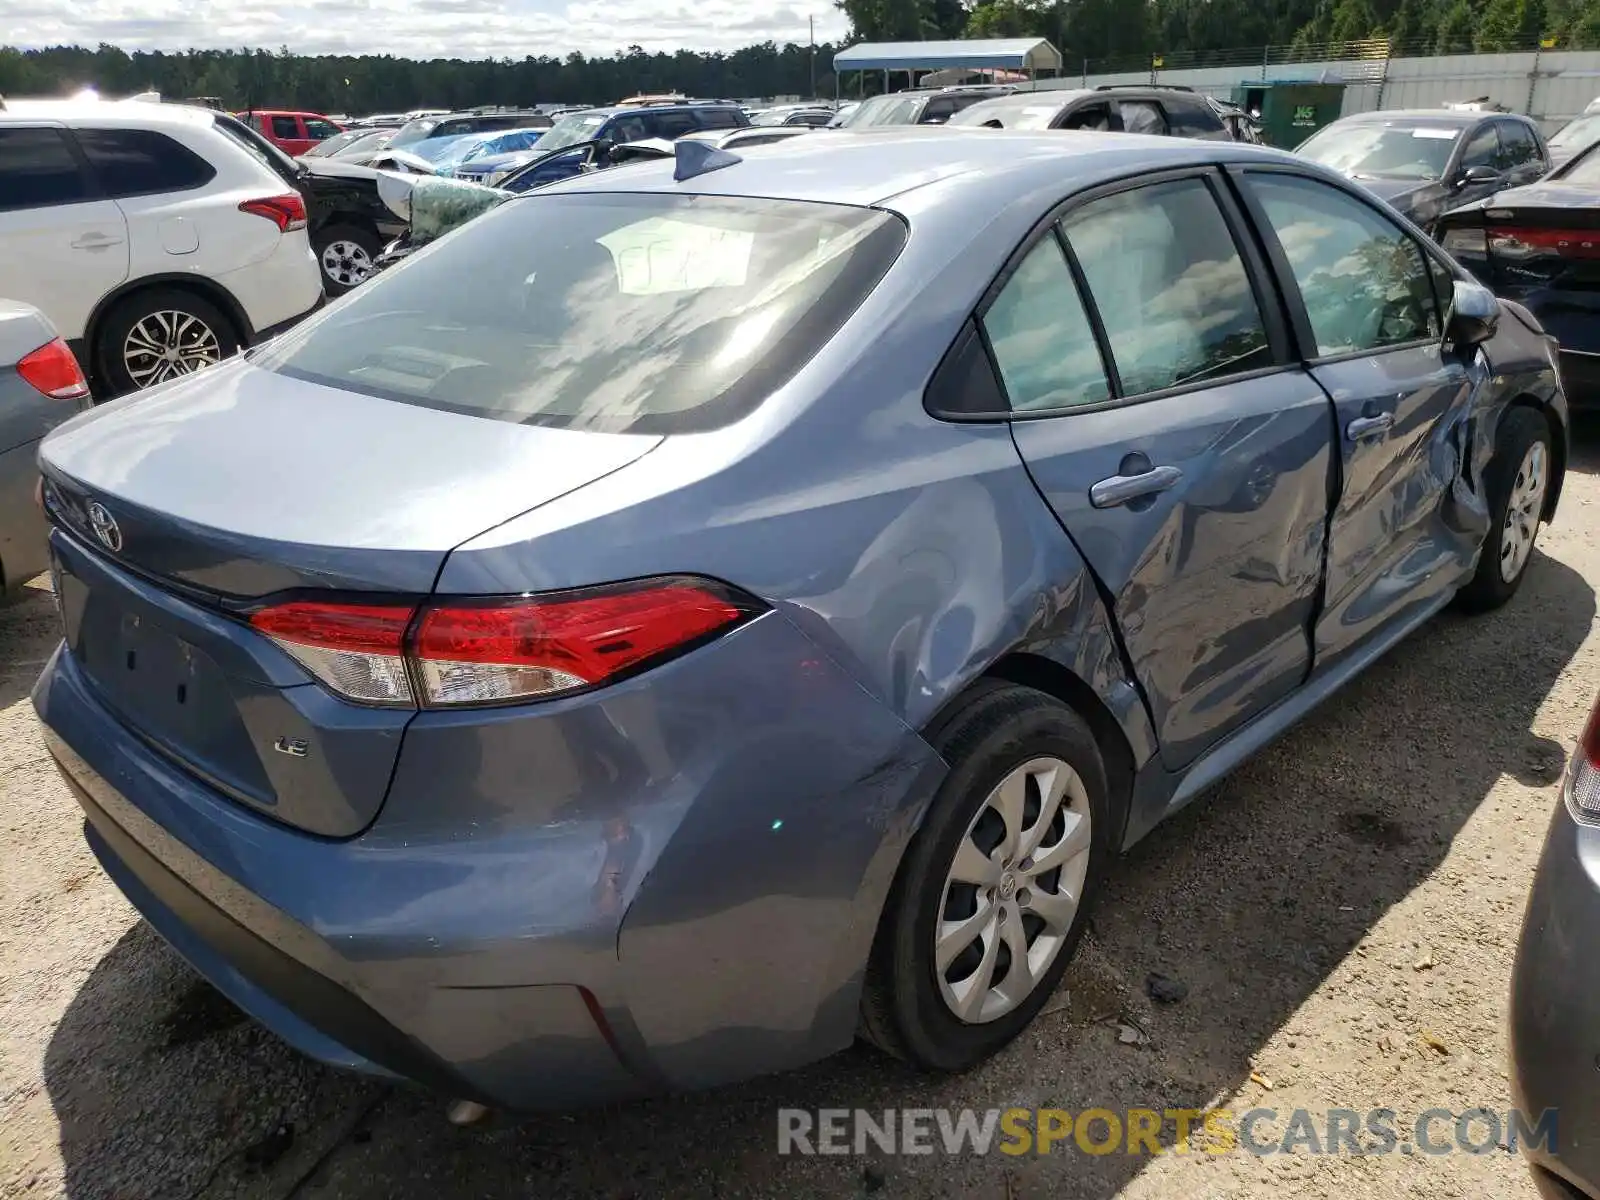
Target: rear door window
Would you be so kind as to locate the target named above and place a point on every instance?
(1142, 116)
(618, 312)
(1171, 289)
(671, 124)
(142, 162)
(286, 128)
(39, 170)
(1189, 119)
(1482, 149)
(937, 112)
(320, 129)
(1518, 146)
(1095, 117)
(717, 118)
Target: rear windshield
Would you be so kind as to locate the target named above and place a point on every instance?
(631, 312)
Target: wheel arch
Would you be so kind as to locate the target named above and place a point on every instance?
(199, 285)
(1063, 684)
(1559, 433)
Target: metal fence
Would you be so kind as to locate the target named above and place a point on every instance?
(1551, 85)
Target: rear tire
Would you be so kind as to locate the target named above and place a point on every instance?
(1039, 880)
(1517, 481)
(157, 335)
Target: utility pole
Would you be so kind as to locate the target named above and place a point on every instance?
(812, 21)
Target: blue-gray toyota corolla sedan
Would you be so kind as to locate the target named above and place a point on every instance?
(696, 612)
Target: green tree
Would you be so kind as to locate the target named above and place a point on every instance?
(1509, 25)
(1455, 29)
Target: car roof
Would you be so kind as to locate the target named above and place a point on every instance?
(871, 166)
(1441, 116)
(134, 112)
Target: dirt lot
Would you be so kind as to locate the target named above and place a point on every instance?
(1347, 898)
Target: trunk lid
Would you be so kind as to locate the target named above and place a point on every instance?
(179, 510)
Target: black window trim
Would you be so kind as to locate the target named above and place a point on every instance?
(1289, 286)
(93, 193)
(1270, 302)
(209, 176)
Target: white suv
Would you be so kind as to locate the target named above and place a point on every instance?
(148, 235)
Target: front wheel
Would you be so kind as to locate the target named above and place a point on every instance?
(345, 255)
(1517, 481)
(994, 892)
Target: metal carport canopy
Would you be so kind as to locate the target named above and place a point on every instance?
(1022, 54)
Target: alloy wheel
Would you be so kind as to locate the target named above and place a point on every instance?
(166, 344)
(1012, 891)
(345, 262)
(1524, 508)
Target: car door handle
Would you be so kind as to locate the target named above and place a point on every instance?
(1363, 428)
(1119, 489)
(96, 241)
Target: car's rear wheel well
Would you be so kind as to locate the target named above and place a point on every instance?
(1058, 682)
(197, 285)
(1558, 447)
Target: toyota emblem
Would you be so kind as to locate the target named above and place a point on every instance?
(105, 526)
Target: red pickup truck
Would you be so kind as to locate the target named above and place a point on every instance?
(291, 132)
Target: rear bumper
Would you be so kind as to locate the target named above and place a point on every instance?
(480, 952)
(24, 533)
(1555, 1009)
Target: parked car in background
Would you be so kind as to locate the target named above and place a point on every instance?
(584, 141)
(1573, 138)
(452, 125)
(1539, 245)
(1163, 111)
(41, 385)
(355, 139)
(148, 235)
(1427, 161)
(915, 106)
(843, 114)
(482, 155)
(347, 221)
(1555, 1018)
(810, 115)
(764, 654)
(1241, 125)
(292, 132)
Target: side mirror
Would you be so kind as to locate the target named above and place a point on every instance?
(1479, 176)
(1474, 315)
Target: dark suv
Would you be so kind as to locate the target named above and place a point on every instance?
(583, 140)
(1173, 112)
(918, 106)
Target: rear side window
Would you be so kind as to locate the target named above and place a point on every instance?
(1093, 117)
(623, 312)
(1518, 147)
(1142, 116)
(320, 129)
(671, 124)
(1363, 280)
(141, 162)
(1043, 344)
(1193, 120)
(718, 118)
(1172, 292)
(285, 127)
(1483, 150)
(38, 170)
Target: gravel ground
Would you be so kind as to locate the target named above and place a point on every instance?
(1343, 910)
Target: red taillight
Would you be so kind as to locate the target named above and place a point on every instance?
(503, 650)
(287, 211)
(1583, 775)
(53, 370)
(1511, 241)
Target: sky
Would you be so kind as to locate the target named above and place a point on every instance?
(416, 28)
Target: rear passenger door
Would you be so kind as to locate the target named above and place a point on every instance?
(1367, 304)
(63, 245)
(1155, 401)
(159, 185)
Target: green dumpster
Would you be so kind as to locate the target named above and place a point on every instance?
(1290, 111)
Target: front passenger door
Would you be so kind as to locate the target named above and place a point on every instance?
(1371, 327)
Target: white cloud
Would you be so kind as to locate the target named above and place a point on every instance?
(416, 28)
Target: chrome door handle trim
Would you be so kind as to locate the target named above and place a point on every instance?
(1366, 427)
(1120, 489)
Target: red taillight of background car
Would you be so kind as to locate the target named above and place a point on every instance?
(1515, 242)
(53, 370)
(287, 211)
(1583, 775)
(504, 650)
